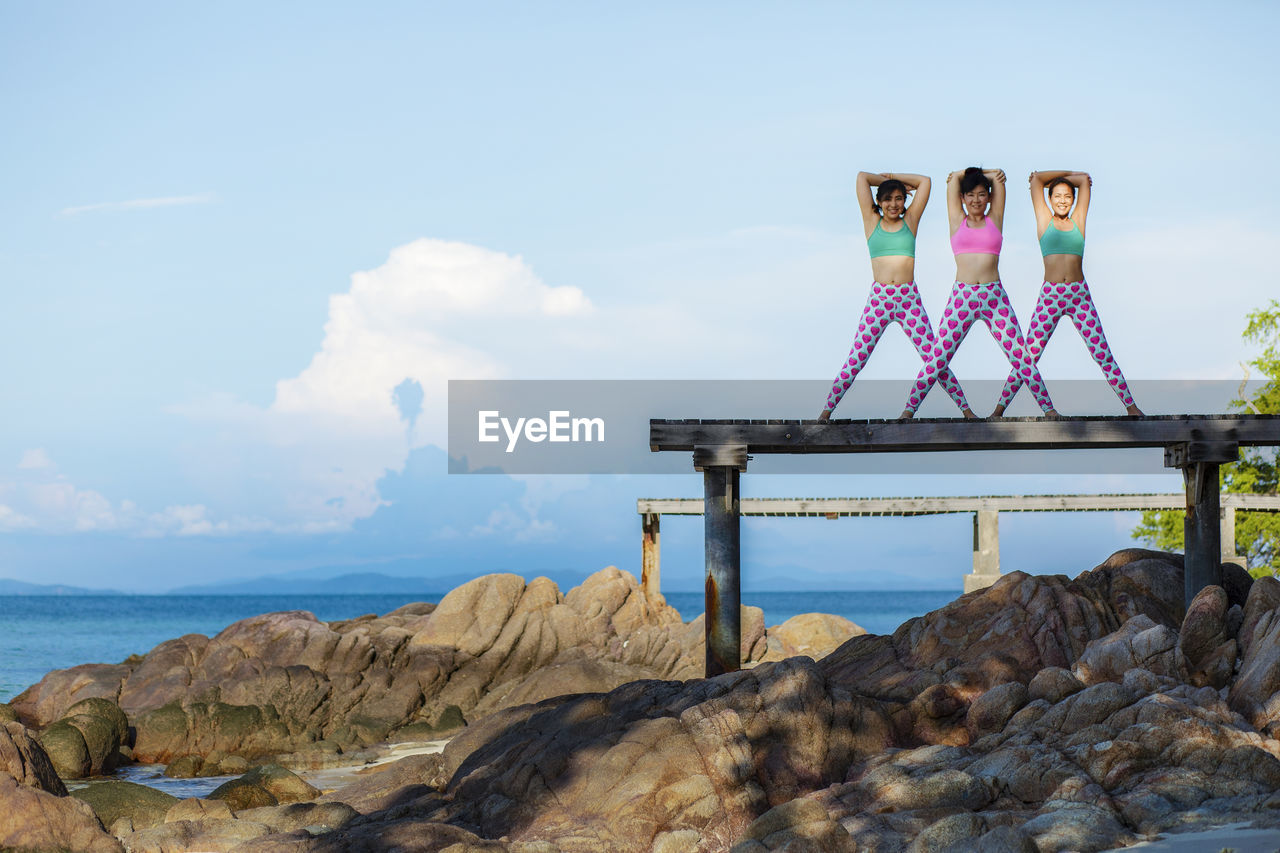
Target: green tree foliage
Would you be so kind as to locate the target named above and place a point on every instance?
(1257, 533)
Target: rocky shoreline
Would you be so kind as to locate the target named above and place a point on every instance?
(1042, 713)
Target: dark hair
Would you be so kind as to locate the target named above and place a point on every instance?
(887, 187)
(973, 178)
(1056, 181)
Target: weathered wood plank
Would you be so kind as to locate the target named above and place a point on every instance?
(959, 435)
(818, 507)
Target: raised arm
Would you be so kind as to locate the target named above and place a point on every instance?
(955, 206)
(867, 204)
(997, 196)
(1043, 214)
(1084, 185)
(920, 185)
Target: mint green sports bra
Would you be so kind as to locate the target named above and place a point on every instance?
(1057, 242)
(884, 243)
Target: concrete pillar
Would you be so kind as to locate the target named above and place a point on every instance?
(986, 551)
(1228, 528)
(650, 556)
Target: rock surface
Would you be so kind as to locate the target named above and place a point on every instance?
(23, 758)
(86, 740)
(286, 683)
(113, 799)
(1039, 714)
(34, 819)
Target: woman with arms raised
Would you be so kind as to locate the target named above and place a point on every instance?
(1060, 225)
(975, 208)
(890, 226)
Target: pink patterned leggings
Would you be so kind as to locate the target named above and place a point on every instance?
(892, 303)
(1069, 300)
(968, 303)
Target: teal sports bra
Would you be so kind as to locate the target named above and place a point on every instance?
(1057, 242)
(884, 243)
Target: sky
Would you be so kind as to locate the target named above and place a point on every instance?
(243, 248)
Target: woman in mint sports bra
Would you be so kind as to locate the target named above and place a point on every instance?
(1064, 292)
(890, 227)
(977, 294)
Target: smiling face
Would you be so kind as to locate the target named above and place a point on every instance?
(977, 199)
(1061, 197)
(893, 204)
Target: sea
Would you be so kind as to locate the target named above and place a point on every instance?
(39, 633)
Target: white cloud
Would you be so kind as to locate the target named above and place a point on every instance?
(11, 520)
(34, 458)
(140, 204)
(39, 499)
(435, 311)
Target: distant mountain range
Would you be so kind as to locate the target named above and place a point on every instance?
(306, 582)
(360, 583)
(12, 587)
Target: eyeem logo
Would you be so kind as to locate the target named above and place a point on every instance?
(558, 426)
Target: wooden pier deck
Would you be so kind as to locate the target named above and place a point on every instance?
(1195, 444)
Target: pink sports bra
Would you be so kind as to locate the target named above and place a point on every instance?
(976, 241)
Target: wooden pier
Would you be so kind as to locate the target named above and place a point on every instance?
(1195, 444)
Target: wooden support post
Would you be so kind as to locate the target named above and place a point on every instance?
(721, 468)
(986, 551)
(650, 556)
(1199, 461)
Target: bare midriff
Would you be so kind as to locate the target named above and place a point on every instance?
(894, 269)
(1061, 269)
(975, 268)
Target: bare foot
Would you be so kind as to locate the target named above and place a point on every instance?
(1134, 411)
(906, 415)
(1052, 415)
(997, 413)
(969, 415)
(825, 416)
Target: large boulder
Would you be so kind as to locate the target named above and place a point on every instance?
(34, 819)
(1205, 642)
(66, 748)
(812, 634)
(1139, 644)
(267, 785)
(1255, 692)
(86, 741)
(23, 758)
(113, 799)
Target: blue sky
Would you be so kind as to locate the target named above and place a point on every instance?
(228, 233)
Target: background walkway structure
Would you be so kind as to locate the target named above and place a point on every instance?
(985, 510)
(1195, 444)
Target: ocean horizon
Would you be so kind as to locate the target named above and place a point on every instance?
(41, 633)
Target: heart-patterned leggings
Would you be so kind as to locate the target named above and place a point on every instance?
(1070, 300)
(968, 303)
(892, 303)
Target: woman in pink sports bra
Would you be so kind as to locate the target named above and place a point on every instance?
(975, 208)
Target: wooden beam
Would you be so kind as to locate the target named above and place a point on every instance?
(935, 435)
(825, 507)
